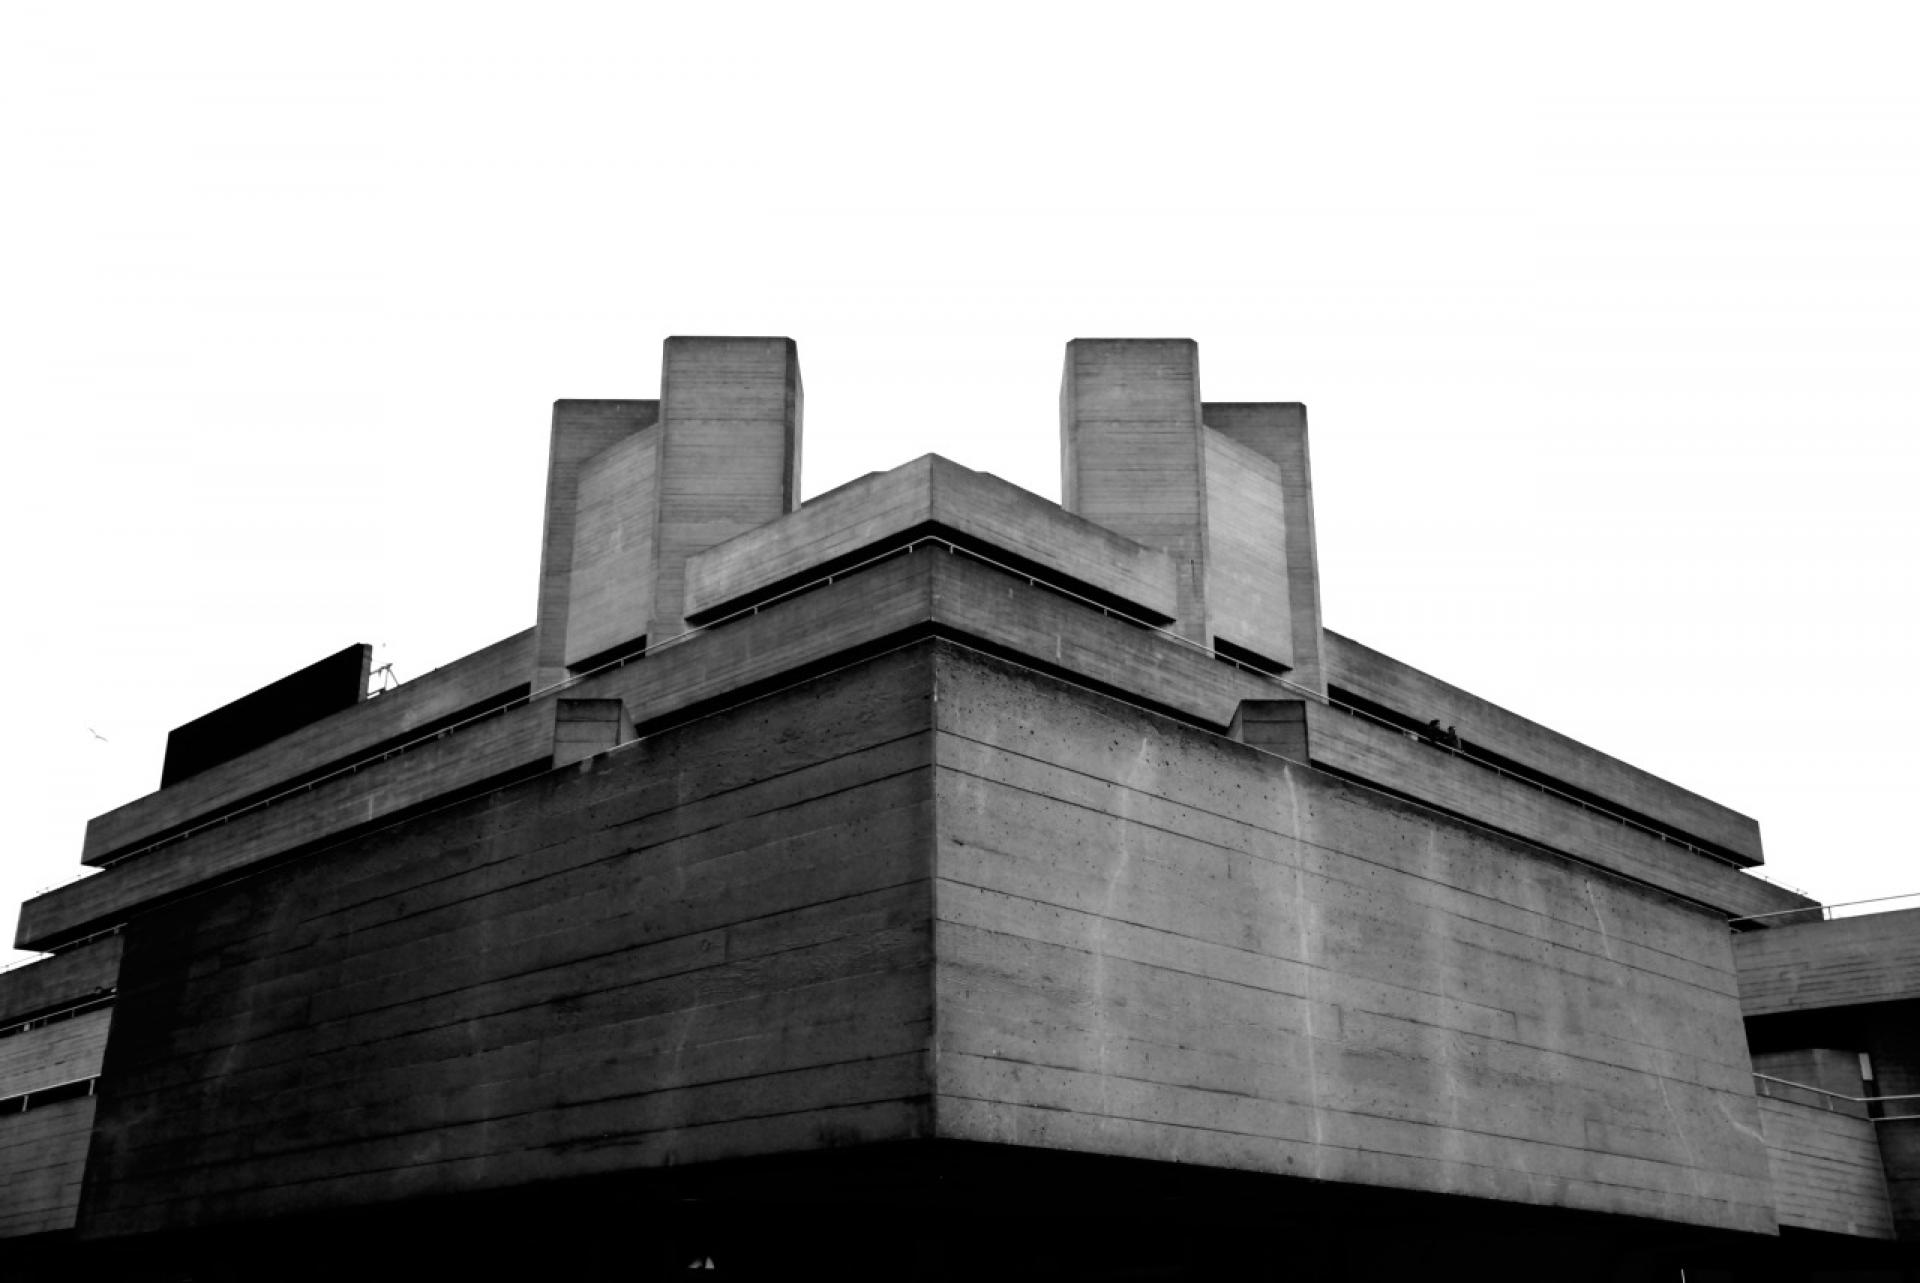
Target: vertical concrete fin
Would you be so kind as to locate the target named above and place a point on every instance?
(610, 601)
(1131, 452)
(1249, 610)
(581, 430)
(1278, 430)
(730, 420)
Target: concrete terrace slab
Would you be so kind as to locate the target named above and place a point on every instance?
(932, 496)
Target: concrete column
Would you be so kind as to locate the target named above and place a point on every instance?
(730, 416)
(1131, 452)
(1278, 430)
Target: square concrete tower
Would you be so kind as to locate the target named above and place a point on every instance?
(1231, 503)
(636, 487)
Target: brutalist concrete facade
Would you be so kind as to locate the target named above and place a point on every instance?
(930, 880)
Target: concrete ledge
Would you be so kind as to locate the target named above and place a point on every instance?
(1843, 963)
(1385, 680)
(513, 741)
(485, 674)
(931, 588)
(1380, 755)
(959, 597)
(61, 980)
(931, 495)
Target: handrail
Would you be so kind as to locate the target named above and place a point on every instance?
(1822, 908)
(25, 1098)
(1837, 1095)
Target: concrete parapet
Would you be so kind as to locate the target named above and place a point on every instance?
(1364, 676)
(1826, 1169)
(932, 496)
(1900, 1158)
(51, 1055)
(63, 980)
(43, 1157)
(1366, 750)
(1826, 1069)
(1843, 963)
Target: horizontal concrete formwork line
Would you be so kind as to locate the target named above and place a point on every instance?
(1378, 1004)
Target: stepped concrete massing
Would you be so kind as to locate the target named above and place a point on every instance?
(929, 880)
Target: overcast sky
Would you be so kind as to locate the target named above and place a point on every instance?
(1608, 329)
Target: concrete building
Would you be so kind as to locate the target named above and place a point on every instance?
(930, 880)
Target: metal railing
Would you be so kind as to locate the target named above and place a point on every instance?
(80, 1008)
(1826, 910)
(21, 1102)
(1836, 1095)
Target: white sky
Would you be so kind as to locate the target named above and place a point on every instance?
(1608, 327)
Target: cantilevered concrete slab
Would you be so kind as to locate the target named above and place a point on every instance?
(1847, 962)
(932, 497)
(1361, 675)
